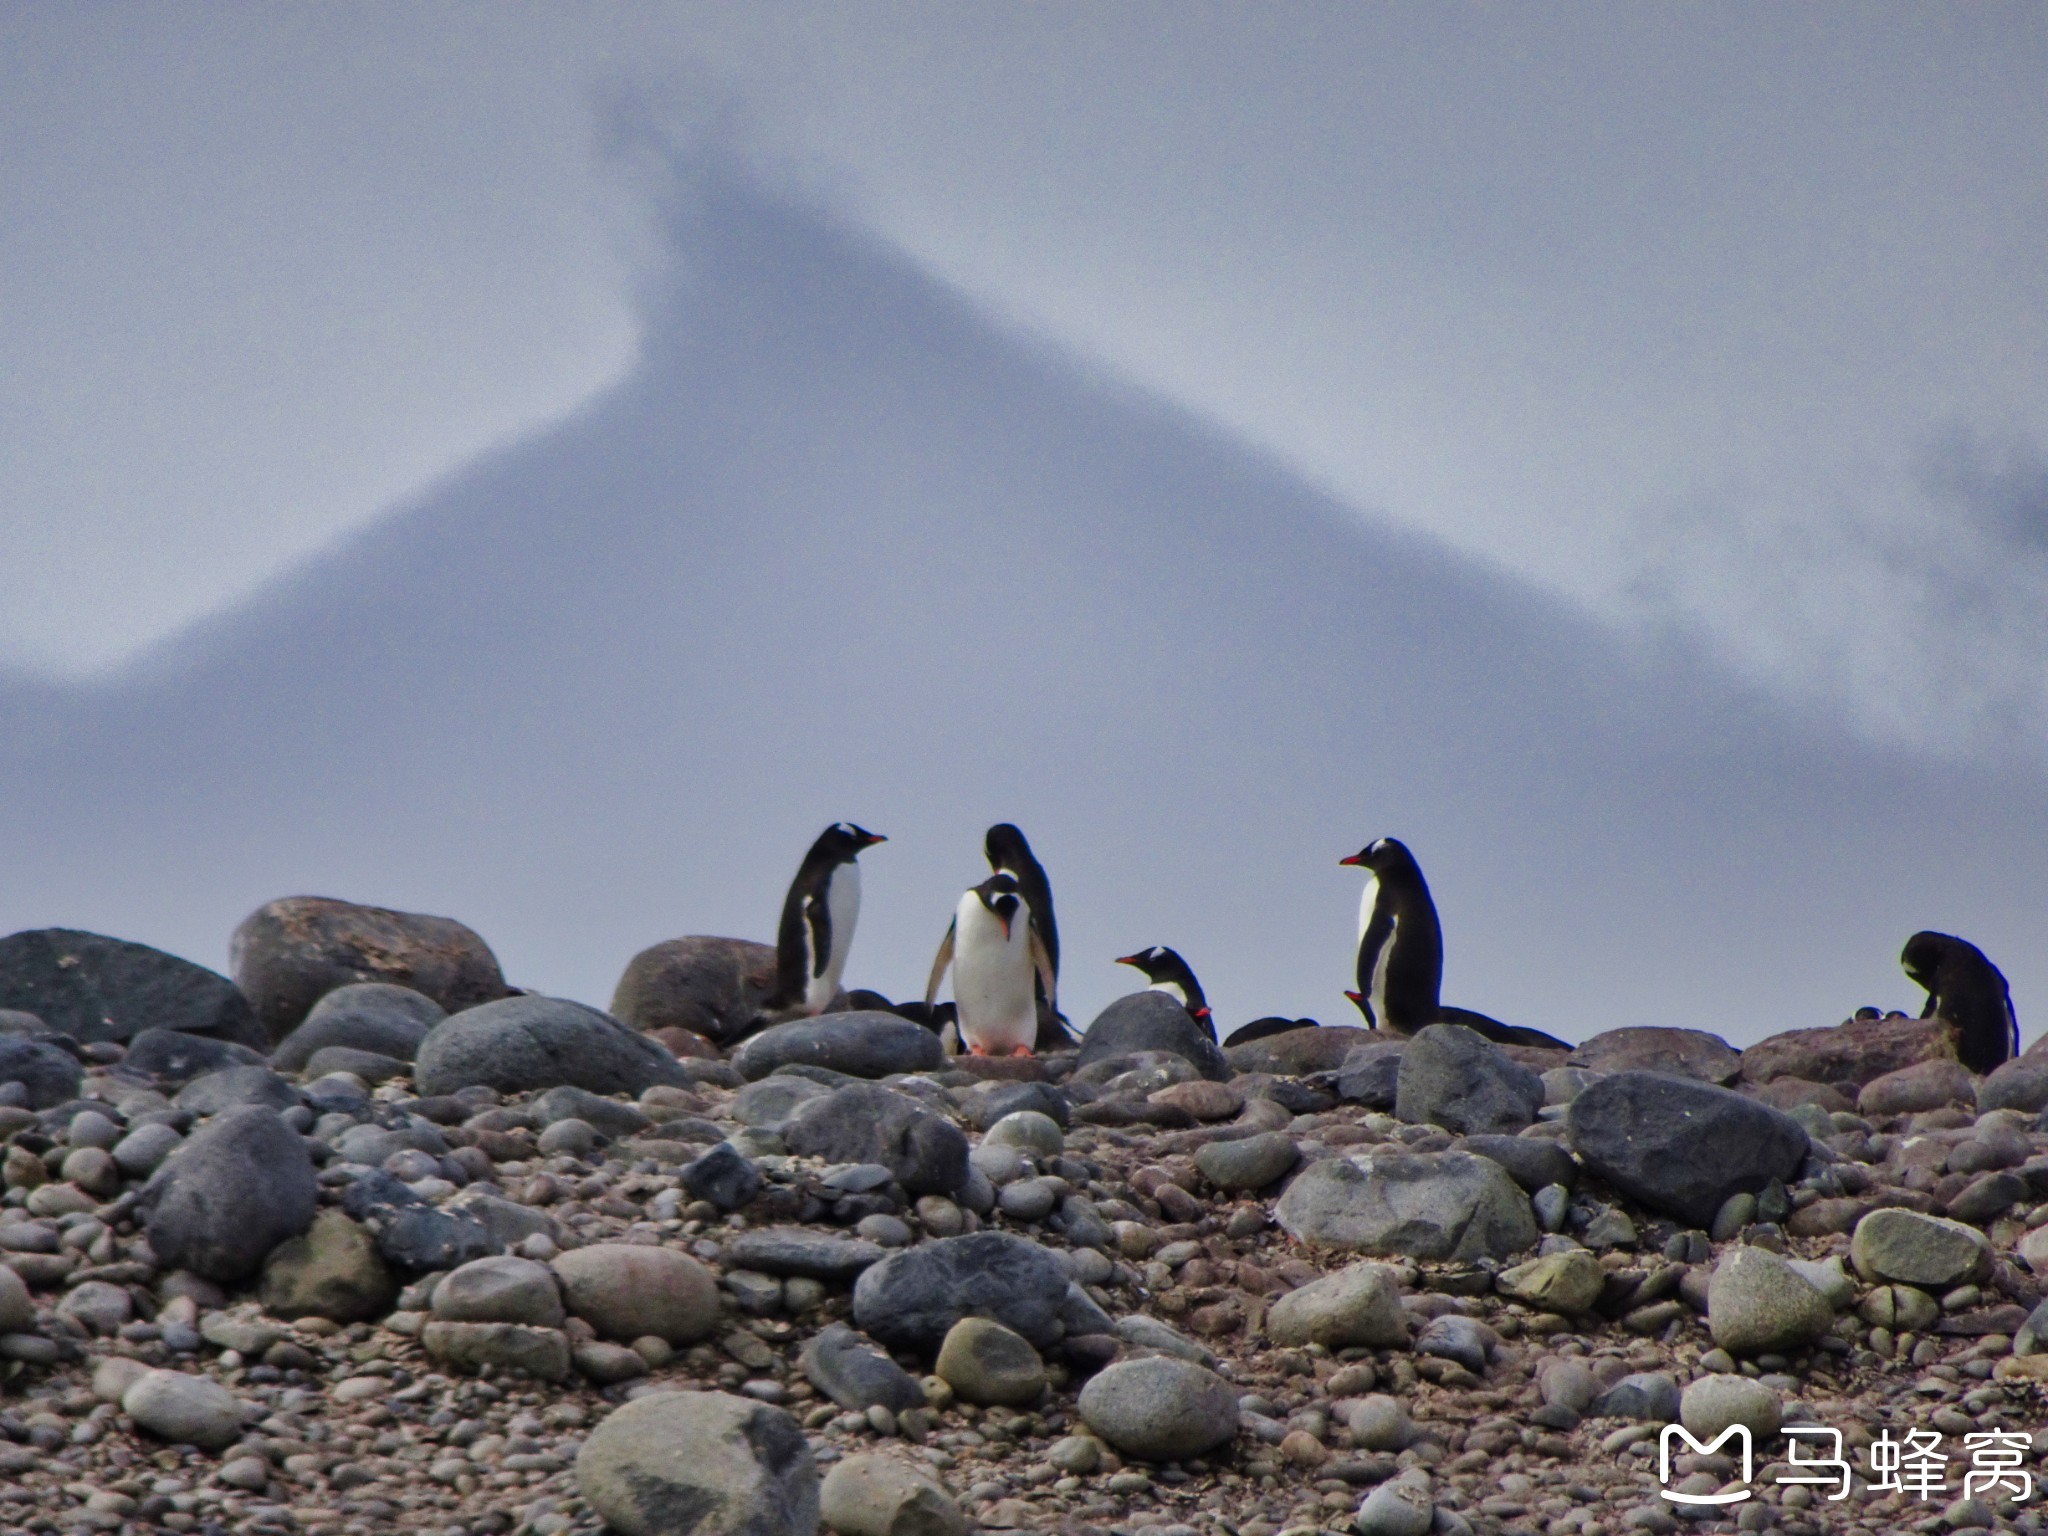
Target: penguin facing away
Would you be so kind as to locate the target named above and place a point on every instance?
(1168, 973)
(1969, 994)
(998, 958)
(818, 918)
(1400, 965)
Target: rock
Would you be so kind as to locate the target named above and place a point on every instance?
(1531, 1162)
(93, 988)
(1152, 1021)
(1715, 1403)
(173, 1056)
(864, 1123)
(1371, 1075)
(2021, 1084)
(1029, 1131)
(880, 1496)
(1249, 1163)
(628, 1291)
(774, 1101)
(705, 1463)
(368, 1066)
(606, 1364)
(1358, 1305)
(50, 1074)
(234, 1086)
(17, 1309)
(840, 1364)
(990, 1102)
(860, 1044)
(289, 954)
(333, 1271)
(1298, 1052)
(1201, 1098)
(500, 1289)
(1647, 1048)
(1401, 1506)
(1924, 1085)
(522, 1043)
(1465, 1340)
(608, 1117)
(1680, 1146)
(185, 1410)
(1451, 1076)
(1568, 1282)
(372, 1016)
(723, 1176)
(801, 1251)
(1928, 1251)
(417, 1237)
(1757, 1303)
(540, 1352)
(986, 1364)
(1852, 1052)
(913, 1297)
(1388, 1202)
(1380, 1423)
(708, 986)
(1160, 1408)
(242, 1184)
(1789, 1093)
(1641, 1395)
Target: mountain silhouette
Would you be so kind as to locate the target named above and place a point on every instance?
(842, 547)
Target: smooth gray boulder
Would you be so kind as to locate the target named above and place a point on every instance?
(865, 1123)
(174, 1056)
(1420, 1205)
(1152, 1021)
(371, 1016)
(239, 1186)
(1160, 1408)
(91, 987)
(702, 1463)
(232, 1087)
(710, 986)
(1682, 1146)
(519, 1044)
(912, 1298)
(1454, 1077)
(49, 1073)
(862, 1043)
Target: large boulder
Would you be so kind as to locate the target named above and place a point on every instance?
(1654, 1048)
(1452, 1077)
(1682, 1146)
(49, 1073)
(1422, 1205)
(91, 987)
(242, 1184)
(290, 953)
(866, 1123)
(912, 1298)
(860, 1043)
(1852, 1052)
(367, 1016)
(1298, 1052)
(705, 1463)
(710, 986)
(1152, 1021)
(519, 1044)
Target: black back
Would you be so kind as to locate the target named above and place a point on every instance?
(1259, 1029)
(803, 939)
(1969, 994)
(1009, 854)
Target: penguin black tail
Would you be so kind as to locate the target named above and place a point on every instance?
(1499, 1033)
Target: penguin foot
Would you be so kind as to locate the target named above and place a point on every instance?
(1023, 1050)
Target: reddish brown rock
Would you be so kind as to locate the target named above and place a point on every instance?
(1299, 1051)
(1853, 1052)
(1924, 1085)
(1650, 1048)
(687, 1045)
(709, 986)
(1790, 1092)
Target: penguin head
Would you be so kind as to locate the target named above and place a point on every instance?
(1922, 956)
(843, 841)
(1381, 855)
(1157, 962)
(999, 894)
(1005, 847)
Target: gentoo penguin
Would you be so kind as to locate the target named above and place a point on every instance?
(1008, 854)
(1401, 953)
(1271, 1024)
(1170, 974)
(1968, 994)
(818, 917)
(995, 952)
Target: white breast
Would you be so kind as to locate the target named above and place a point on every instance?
(992, 979)
(1366, 901)
(1376, 993)
(842, 902)
(1172, 989)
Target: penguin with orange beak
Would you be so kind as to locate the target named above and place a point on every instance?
(998, 960)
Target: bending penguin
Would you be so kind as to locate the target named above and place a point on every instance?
(1968, 994)
(1401, 953)
(1168, 973)
(818, 917)
(1008, 854)
(998, 959)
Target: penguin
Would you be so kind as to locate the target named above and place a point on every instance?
(1168, 973)
(1009, 854)
(1401, 953)
(1271, 1024)
(1968, 994)
(818, 917)
(995, 951)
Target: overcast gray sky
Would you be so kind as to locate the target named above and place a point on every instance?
(1728, 317)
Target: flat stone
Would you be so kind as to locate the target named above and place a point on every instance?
(861, 1043)
(855, 1375)
(539, 1352)
(1924, 1085)
(95, 988)
(1852, 1052)
(523, 1043)
(1928, 1251)
(1568, 1283)
(1393, 1203)
(628, 1291)
(185, 1410)
(706, 1463)
(1249, 1163)
(1358, 1305)
(865, 1123)
(802, 1251)
(1653, 1048)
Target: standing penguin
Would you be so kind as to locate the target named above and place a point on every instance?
(818, 917)
(1401, 953)
(1168, 973)
(995, 951)
(1008, 854)
(1968, 994)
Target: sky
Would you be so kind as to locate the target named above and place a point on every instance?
(1717, 329)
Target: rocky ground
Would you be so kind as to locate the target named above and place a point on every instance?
(521, 1269)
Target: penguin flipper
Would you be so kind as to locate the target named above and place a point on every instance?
(1041, 959)
(943, 959)
(818, 918)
